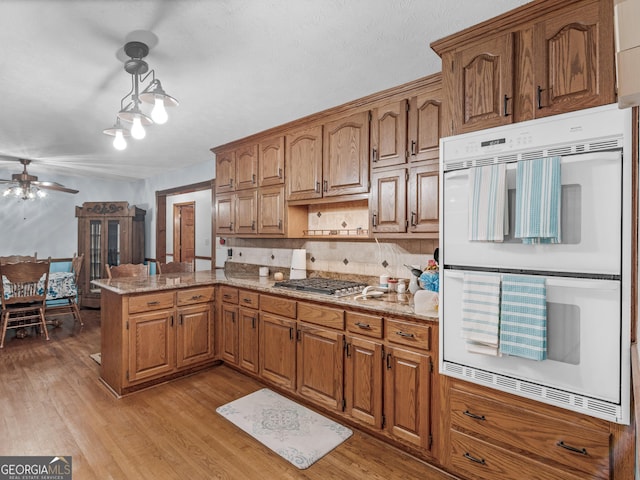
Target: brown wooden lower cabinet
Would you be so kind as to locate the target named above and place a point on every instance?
(278, 350)
(249, 340)
(149, 337)
(320, 365)
(229, 331)
(363, 380)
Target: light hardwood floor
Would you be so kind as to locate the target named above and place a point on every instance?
(53, 403)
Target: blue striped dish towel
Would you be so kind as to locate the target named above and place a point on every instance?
(538, 201)
(487, 203)
(523, 317)
(481, 312)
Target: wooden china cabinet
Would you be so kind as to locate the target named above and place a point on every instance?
(108, 232)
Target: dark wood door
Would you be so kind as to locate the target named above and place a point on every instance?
(184, 232)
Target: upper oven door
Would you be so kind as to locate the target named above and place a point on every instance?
(591, 221)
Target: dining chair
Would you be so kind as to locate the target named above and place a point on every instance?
(175, 267)
(23, 292)
(69, 304)
(127, 270)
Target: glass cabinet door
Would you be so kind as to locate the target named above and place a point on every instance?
(95, 249)
(113, 242)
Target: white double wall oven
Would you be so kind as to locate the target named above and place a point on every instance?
(587, 275)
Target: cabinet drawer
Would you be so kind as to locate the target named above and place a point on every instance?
(410, 334)
(536, 433)
(480, 460)
(196, 295)
(249, 299)
(229, 294)
(364, 324)
(147, 303)
(278, 305)
(325, 316)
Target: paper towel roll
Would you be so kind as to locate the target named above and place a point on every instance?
(298, 263)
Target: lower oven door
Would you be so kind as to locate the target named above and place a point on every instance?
(583, 365)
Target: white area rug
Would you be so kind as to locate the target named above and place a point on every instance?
(294, 432)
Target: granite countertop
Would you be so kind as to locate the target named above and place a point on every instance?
(389, 303)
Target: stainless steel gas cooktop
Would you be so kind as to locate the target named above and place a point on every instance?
(325, 286)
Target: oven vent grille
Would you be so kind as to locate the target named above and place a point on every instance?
(552, 396)
(483, 161)
(532, 155)
(507, 158)
(553, 152)
(605, 145)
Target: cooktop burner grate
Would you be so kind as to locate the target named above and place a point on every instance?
(325, 286)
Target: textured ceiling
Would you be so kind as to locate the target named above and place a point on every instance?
(236, 66)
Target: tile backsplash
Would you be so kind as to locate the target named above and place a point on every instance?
(357, 257)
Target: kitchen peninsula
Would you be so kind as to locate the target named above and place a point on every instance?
(344, 355)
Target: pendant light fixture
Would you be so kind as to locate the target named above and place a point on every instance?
(152, 94)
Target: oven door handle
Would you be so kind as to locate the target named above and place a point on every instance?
(602, 285)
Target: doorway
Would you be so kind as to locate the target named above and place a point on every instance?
(184, 232)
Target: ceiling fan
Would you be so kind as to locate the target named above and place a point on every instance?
(27, 186)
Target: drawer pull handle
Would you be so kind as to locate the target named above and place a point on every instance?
(155, 302)
(473, 415)
(405, 334)
(581, 451)
(196, 297)
(226, 297)
(363, 325)
(473, 459)
(247, 300)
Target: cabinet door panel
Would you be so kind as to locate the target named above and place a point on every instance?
(225, 214)
(425, 117)
(249, 339)
(346, 155)
(271, 211)
(320, 365)
(246, 212)
(389, 134)
(573, 54)
(151, 345)
(194, 335)
(389, 201)
(271, 162)
(225, 171)
(423, 198)
(229, 314)
(304, 164)
(278, 350)
(407, 393)
(483, 75)
(247, 167)
(363, 381)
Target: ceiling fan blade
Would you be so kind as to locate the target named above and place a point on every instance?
(6, 181)
(54, 186)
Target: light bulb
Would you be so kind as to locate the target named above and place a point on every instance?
(159, 113)
(137, 130)
(119, 143)
(41, 194)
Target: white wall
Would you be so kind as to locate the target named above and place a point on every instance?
(49, 225)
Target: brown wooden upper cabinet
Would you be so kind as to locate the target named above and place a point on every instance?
(247, 167)
(304, 163)
(548, 57)
(389, 134)
(271, 162)
(329, 160)
(225, 171)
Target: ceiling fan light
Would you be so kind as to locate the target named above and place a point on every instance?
(149, 95)
(41, 193)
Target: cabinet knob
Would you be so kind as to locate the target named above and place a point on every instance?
(326, 185)
(413, 147)
(374, 219)
(414, 216)
(317, 187)
(374, 155)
